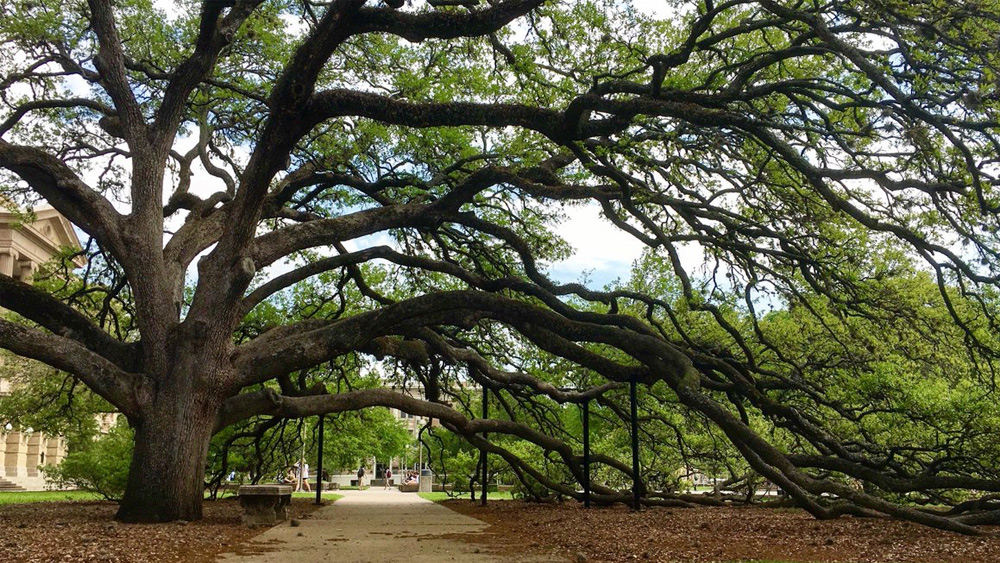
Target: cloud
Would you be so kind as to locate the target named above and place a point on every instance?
(601, 251)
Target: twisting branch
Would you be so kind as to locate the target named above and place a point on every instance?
(281, 242)
(213, 36)
(62, 320)
(28, 107)
(110, 63)
(122, 389)
(63, 189)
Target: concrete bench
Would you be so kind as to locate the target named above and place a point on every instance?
(409, 487)
(265, 505)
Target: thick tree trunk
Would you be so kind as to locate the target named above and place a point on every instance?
(166, 478)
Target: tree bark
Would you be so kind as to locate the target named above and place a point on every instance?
(166, 477)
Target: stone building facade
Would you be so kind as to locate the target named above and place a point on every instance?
(23, 249)
(412, 423)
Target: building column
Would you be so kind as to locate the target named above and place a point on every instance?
(7, 258)
(26, 271)
(16, 454)
(55, 450)
(33, 454)
(3, 453)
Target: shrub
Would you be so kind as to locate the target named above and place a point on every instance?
(99, 465)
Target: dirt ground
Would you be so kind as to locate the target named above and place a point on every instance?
(718, 534)
(85, 532)
(47, 532)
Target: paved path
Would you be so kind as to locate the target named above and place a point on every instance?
(374, 526)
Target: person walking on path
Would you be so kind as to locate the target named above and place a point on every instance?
(305, 477)
(388, 477)
(361, 477)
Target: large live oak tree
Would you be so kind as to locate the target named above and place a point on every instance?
(804, 147)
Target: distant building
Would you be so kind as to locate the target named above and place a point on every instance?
(23, 249)
(410, 422)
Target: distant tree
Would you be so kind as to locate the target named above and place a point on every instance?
(406, 163)
(355, 438)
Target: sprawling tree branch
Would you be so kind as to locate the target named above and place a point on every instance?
(110, 63)
(62, 320)
(121, 388)
(64, 190)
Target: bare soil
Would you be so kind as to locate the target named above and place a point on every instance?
(85, 531)
(613, 534)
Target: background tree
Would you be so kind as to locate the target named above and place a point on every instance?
(793, 145)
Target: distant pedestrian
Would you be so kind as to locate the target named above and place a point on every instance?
(305, 477)
(361, 477)
(388, 477)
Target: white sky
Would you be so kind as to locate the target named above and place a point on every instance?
(601, 250)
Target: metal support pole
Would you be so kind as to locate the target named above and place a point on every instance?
(319, 463)
(586, 453)
(302, 458)
(483, 456)
(636, 479)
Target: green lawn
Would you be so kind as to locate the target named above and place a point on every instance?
(46, 496)
(62, 496)
(442, 496)
(326, 496)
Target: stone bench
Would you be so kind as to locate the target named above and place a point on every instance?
(265, 505)
(409, 487)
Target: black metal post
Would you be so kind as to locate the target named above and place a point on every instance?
(636, 479)
(586, 453)
(319, 462)
(483, 456)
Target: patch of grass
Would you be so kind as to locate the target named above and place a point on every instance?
(328, 497)
(442, 496)
(21, 497)
(312, 494)
(298, 494)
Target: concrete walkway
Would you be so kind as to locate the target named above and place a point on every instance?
(375, 526)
